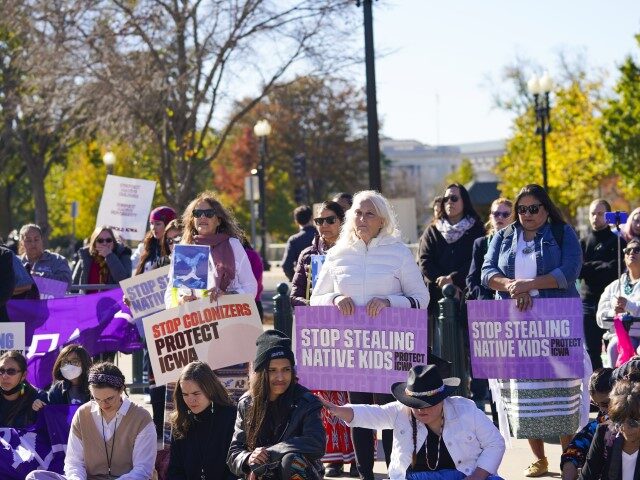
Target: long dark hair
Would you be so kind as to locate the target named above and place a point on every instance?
(150, 250)
(468, 210)
(202, 374)
(164, 246)
(259, 388)
(540, 194)
(27, 395)
(85, 363)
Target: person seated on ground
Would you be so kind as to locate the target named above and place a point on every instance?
(622, 296)
(614, 451)
(432, 430)
(575, 454)
(111, 437)
(71, 375)
(278, 429)
(16, 393)
(201, 426)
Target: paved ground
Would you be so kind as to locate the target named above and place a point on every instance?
(516, 458)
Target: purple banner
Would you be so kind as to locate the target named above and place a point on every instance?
(544, 342)
(99, 322)
(49, 288)
(39, 447)
(358, 353)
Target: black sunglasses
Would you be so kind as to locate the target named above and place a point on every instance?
(630, 250)
(330, 220)
(104, 240)
(9, 371)
(207, 212)
(174, 240)
(532, 209)
(453, 198)
(501, 214)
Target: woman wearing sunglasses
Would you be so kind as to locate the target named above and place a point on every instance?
(328, 223)
(446, 245)
(614, 451)
(104, 261)
(536, 256)
(622, 296)
(16, 393)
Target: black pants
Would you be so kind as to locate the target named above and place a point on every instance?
(592, 333)
(363, 438)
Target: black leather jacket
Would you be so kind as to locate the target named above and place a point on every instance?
(303, 434)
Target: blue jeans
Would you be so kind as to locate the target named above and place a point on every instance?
(443, 475)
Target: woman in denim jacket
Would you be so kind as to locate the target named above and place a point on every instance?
(537, 256)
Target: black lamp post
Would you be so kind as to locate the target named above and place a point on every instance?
(375, 178)
(262, 129)
(540, 88)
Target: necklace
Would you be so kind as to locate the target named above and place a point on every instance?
(113, 442)
(628, 285)
(529, 247)
(426, 450)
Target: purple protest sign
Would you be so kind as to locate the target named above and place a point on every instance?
(544, 342)
(358, 353)
(99, 322)
(49, 288)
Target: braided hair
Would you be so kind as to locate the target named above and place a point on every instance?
(414, 435)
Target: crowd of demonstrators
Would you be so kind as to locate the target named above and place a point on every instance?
(391, 278)
(278, 431)
(446, 246)
(207, 222)
(600, 261)
(433, 431)
(499, 215)
(537, 256)
(111, 437)
(574, 456)
(103, 261)
(328, 223)
(38, 261)
(202, 426)
(150, 251)
(298, 241)
(622, 296)
(631, 229)
(16, 393)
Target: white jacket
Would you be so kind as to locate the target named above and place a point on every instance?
(385, 268)
(608, 300)
(471, 438)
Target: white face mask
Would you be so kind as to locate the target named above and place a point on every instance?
(70, 372)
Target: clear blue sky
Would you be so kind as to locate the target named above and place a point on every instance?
(449, 48)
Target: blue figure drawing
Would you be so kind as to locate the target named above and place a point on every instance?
(190, 266)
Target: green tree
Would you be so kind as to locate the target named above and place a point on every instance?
(463, 174)
(621, 127)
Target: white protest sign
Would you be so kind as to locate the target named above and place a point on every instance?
(12, 337)
(221, 333)
(125, 206)
(145, 292)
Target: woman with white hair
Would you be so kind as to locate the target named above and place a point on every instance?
(370, 266)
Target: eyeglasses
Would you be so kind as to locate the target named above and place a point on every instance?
(497, 214)
(174, 240)
(75, 363)
(104, 240)
(630, 250)
(207, 212)
(453, 198)
(107, 400)
(601, 405)
(532, 209)
(9, 371)
(330, 220)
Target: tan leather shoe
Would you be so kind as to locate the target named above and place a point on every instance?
(537, 469)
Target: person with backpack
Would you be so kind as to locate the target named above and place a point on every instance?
(537, 256)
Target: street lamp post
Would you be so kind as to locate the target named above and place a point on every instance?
(109, 160)
(540, 88)
(262, 129)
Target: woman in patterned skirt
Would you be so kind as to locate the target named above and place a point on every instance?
(537, 256)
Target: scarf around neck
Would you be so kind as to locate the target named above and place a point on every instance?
(452, 233)
(223, 258)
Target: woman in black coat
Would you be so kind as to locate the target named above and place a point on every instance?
(202, 426)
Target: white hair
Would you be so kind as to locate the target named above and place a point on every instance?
(382, 207)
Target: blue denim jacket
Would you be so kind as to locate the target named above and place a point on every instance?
(564, 265)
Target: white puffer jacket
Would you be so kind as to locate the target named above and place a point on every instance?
(385, 268)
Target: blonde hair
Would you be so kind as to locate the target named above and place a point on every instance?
(227, 225)
(383, 209)
(92, 240)
(498, 201)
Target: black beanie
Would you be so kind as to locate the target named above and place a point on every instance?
(272, 344)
